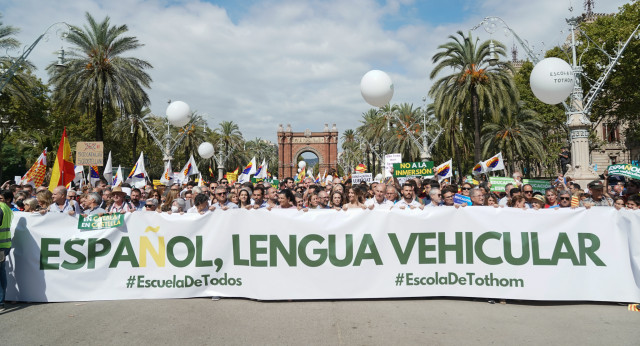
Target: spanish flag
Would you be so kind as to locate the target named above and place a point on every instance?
(63, 170)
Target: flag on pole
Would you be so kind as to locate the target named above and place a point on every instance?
(79, 179)
(249, 170)
(479, 168)
(63, 170)
(300, 176)
(117, 181)
(94, 175)
(167, 175)
(138, 175)
(261, 172)
(108, 170)
(444, 171)
(189, 168)
(318, 179)
(211, 172)
(200, 181)
(495, 163)
(35, 174)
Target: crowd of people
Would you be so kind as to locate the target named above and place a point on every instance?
(334, 193)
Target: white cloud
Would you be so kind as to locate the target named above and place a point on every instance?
(297, 62)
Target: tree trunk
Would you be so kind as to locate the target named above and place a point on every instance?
(134, 145)
(477, 123)
(99, 133)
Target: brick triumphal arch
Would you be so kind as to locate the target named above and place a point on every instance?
(291, 144)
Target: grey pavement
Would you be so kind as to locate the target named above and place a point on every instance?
(201, 321)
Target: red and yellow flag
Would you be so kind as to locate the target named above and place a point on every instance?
(63, 170)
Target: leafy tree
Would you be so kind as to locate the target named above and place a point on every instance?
(475, 86)
(98, 78)
(517, 134)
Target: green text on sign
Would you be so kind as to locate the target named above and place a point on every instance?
(407, 169)
(100, 222)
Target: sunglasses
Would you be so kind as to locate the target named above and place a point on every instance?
(149, 206)
(450, 196)
(565, 198)
(220, 193)
(528, 192)
(466, 188)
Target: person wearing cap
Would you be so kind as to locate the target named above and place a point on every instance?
(119, 204)
(538, 202)
(598, 197)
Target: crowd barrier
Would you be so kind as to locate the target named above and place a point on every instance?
(584, 255)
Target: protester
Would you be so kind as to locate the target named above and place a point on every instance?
(93, 208)
(379, 201)
(408, 200)
(119, 205)
(538, 202)
(30, 204)
(435, 196)
(598, 198)
(244, 198)
(618, 202)
(551, 197)
(355, 199)
(492, 200)
(6, 214)
(201, 204)
(258, 199)
(564, 199)
(518, 202)
(222, 202)
(151, 204)
(61, 204)
(336, 200)
(477, 197)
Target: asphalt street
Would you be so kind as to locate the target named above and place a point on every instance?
(365, 322)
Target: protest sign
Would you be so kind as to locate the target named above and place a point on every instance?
(389, 160)
(566, 254)
(416, 169)
(89, 154)
(357, 178)
(93, 222)
(459, 199)
(498, 184)
(626, 170)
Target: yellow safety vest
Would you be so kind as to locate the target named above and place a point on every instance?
(5, 226)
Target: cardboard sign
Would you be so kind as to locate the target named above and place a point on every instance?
(357, 178)
(389, 160)
(89, 154)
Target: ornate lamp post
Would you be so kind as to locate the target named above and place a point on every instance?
(62, 30)
(579, 108)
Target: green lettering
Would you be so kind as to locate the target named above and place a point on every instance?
(254, 250)
(480, 250)
(591, 250)
(191, 251)
(119, 256)
(443, 247)
(79, 256)
(276, 247)
(333, 258)
(45, 253)
(403, 256)
(322, 254)
(92, 253)
(563, 241)
(236, 252)
(508, 253)
(362, 254)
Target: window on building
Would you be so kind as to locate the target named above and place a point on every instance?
(611, 133)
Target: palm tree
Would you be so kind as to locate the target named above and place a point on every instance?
(98, 78)
(22, 80)
(517, 134)
(476, 84)
(374, 131)
(132, 125)
(228, 135)
(405, 124)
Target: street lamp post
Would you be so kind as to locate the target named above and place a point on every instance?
(62, 30)
(579, 108)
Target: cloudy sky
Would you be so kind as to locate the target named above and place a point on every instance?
(262, 63)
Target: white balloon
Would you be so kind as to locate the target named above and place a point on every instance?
(552, 80)
(206, 150)
(302, 164)
(178, 113)
(376, 88)
(299, 169)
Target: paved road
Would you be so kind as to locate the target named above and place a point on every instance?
(386, 322)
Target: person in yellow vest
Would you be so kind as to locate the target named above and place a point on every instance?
(5, 245)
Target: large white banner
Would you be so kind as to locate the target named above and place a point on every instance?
(469, 252)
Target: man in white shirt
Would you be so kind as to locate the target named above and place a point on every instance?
(378, 201)
(63, 205)
(436, 198)
(407, 201)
